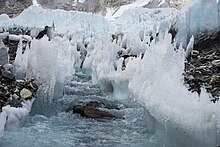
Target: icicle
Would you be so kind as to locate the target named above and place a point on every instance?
(189, 49)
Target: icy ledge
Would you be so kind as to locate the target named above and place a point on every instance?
(12, 118)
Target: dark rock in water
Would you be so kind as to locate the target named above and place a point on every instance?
(94, 104)
(93, 112)
(96, 109)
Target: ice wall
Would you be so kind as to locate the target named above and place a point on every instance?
(135, 20)
(65, 21)
(199, 18)
(50, 62)
(189, 120)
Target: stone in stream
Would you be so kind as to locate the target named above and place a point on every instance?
(93, 112)
(96, 109)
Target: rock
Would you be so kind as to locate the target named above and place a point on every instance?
(92, 112)
(195, 54)
(190, 78)
(117, 36)
(96, 109)
(26, 94)
(216, 63)
(14, 102)
(3, 56)
(11, 68)
(7, 74)
(94, 104)
(33, 86)
(13, 7)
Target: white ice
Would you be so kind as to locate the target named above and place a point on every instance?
(155, 81)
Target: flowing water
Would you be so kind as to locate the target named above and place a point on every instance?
(64, 129)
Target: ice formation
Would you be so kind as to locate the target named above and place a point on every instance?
(200, 19)
(155, 81)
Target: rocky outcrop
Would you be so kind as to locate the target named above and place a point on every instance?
(13, 7)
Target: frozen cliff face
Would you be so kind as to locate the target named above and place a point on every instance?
(13, 7)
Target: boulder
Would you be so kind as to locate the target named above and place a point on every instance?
(96, 109)
(93, 112)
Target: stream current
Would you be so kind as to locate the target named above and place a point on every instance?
(64, 129)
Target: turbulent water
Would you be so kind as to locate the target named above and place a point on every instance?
(64, 129)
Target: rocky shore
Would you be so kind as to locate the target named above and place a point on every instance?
(203, 69)
(13, 91)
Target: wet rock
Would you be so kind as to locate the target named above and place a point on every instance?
(96, 109)
(93, 112)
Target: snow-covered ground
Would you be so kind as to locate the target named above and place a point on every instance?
(155, 81)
